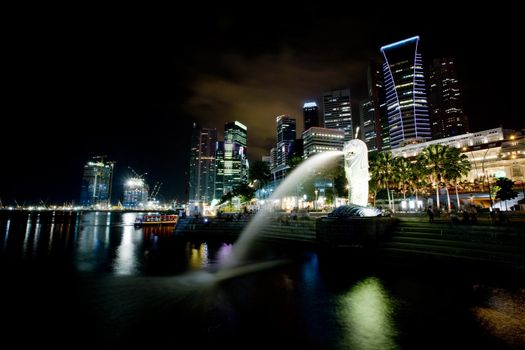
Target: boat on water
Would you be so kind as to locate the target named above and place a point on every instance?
(156, 219)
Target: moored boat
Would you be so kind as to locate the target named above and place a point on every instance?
(157, 219)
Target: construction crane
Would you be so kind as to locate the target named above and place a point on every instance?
(100, 157)
(136, 174)
(155, 191)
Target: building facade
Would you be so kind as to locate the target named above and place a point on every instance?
(368, 124)
(285, 147)
(446, 107)
(136, 192)
(374, 126)
(311, 115)
(233, 167)
(318, 140)
(492, 153)
(202, 164)
(405, 93)
(96, 184)
(338, 111)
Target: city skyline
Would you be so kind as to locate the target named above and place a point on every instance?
(79, 89)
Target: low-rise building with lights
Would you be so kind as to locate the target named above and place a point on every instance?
(495, 152)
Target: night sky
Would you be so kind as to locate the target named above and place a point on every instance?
(129, 82)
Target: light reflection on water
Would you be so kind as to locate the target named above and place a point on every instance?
(126, 262)
(199, 255)
(502, 314)
(102, 242)
(363, 314)
(366, 312)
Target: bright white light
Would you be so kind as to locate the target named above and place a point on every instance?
(135, 182)
(309, 105)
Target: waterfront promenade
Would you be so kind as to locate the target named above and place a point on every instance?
(413, 239)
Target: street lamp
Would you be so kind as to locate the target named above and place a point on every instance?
(315, 203)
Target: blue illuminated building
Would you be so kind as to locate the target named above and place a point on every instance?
(405, 93)
(96, 184)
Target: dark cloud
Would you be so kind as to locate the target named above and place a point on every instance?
(265, 87)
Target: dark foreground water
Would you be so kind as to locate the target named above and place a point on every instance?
(69, 280)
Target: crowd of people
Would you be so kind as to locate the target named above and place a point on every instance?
(467, 215)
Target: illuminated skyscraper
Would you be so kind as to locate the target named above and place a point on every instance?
(286, 131)
(202, 164)
(338, 111)
(96, 184)
(405, 93)
(448, 118)
(374, 126)
(232, 161)
(311, 115)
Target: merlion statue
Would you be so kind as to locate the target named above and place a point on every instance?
(356, 170)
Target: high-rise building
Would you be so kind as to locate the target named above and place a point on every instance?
(311, 115)
(235, 162)
(374, 126)
(338, 111)
(136, 192)
(405, 93)
(219, 169)
(318, 140)
(446, 107)
(202, 164)
(96, 183)
(286, 133)
(368, 124)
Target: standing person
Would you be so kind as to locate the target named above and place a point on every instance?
(430, 213)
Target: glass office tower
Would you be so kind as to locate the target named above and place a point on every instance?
(405, 93)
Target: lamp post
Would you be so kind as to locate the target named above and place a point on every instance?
(315, 203)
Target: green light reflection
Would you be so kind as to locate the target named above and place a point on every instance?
(366, 313)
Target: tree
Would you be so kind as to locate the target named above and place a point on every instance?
(402, 174)
(259, 173)
(505, 190)
(433, 160)
(244, 191)
(382, 172)
(294, 162)
(457, 165)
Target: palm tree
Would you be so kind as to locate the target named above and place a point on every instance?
(457, 166)
(505, 190)
(381, 171)
(402, 174)
(416, 180)
(433, 160)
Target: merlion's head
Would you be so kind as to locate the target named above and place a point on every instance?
(356, 154)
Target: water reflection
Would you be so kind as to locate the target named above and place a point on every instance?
(366, 314)
(90, 252)
(29, 224)
(502, 314)
(6, 238)
(126, 261)
(199, 255)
